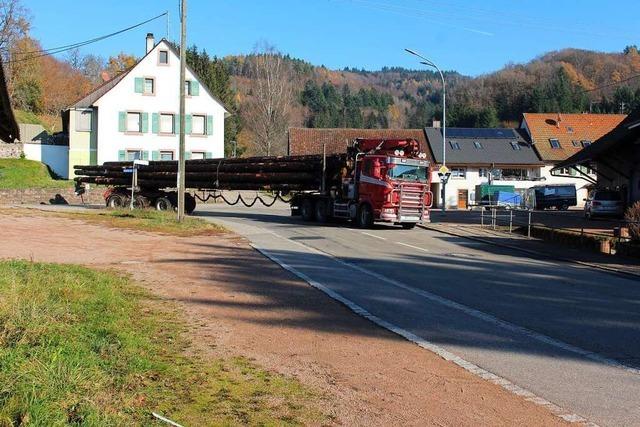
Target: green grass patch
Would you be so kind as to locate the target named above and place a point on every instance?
(85, 347)
(23, 173)
(151, 220)
(28, 117)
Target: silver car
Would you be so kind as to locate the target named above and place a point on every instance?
(603, 203)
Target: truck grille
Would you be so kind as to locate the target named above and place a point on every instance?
(411, 204)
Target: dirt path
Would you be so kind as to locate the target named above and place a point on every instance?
(239, 303)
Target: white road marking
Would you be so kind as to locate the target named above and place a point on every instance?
(427, 345)
(412, 247)
(372, 235)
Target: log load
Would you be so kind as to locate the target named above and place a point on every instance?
(284, 173)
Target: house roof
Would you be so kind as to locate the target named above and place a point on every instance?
(569, 129)
(495, 146)
(627, 131)
(310, 140)
(9, 131)
(89, 99)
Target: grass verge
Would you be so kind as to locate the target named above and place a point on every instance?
(22, 173)
(150, 220)
(85, 347)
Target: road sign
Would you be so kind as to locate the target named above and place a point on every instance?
(128, 170)
(141, 162)
(443, 170)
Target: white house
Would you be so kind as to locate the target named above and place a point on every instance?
(473, 154)
(136, 114)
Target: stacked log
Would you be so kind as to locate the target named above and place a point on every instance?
(285, 173)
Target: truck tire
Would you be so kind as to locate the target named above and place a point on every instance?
(189, 203)
(140, 202)
(306, 210)
(408, 225)
(115, 201)
(365, 216)
(163, 204)
(322, 211)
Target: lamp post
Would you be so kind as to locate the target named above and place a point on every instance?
(444, 176)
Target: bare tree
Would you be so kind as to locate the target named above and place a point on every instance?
(14, 25)
(267, 112)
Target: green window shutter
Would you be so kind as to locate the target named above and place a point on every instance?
(208, 155)
(145, 122)
(122, 156)
(195, 88)
(187, 124)
(122, 121)
(176, 123)
(209, 125)
(139, 84)
(155, 155)
(145, 155)
(155, 123)
(187, 155)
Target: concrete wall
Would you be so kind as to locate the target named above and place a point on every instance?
(54, 156)
(10, 151)
(36, 196)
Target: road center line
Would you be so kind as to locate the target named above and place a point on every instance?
(412, 247)
(477, 313)
(372, 235)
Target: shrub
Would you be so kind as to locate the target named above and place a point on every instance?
(632, 216)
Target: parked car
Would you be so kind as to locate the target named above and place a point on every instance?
(603, 203)
(559, 196)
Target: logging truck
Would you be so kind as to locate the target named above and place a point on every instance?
(376, 180)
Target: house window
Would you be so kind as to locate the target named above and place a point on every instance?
(199, 125)
(149, 86)
(575, 143)
(478, 145)
(163, 57)
(515, 145)
(133, 155)
(166, 123)
(166, 155)
(459, 173)
(586, 143)
(565, 171)
(569, 129)
(187, 87)
(197, 155)
(555, 144)
(83, 121)
(134, 122)
(483, 173)
(515, 174)
(454, 145)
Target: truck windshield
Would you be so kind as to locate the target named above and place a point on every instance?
(407, 173)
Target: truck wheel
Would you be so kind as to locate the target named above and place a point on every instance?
(408, 225)
(365, 216)
(140, 202)
(307, 210)
(115, 201)
(189, 203)
(322, 211)
(163, 204)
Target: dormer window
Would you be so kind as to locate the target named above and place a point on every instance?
(163, 57)
(555, 144)
(575, 143)
(515, 145)
(478, 145)
(454, 145)
(586, 143)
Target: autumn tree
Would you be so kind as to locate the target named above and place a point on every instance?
(267, 110)
(119, 63)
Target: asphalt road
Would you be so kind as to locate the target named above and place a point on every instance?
(567, 333)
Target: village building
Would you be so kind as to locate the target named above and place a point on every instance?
(476, 156)
(557, 136)
(136, 114)
(615, 158)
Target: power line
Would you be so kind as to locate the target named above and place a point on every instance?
(53, 51)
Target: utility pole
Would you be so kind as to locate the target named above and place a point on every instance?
(181, 150)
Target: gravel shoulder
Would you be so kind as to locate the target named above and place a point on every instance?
(239, 303)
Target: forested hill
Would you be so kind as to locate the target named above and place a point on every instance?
(561, 81)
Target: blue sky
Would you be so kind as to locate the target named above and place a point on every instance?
(472, 37)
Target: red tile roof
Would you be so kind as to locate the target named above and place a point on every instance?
(309, 141)
(569, 129)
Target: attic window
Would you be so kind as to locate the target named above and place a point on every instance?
(478, 145)
(575, 143)
(163, 57)
(454, 145)
(515, 145)
(555, 144)
(586, 143)
(569, 129)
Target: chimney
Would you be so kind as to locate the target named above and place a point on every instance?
(436, 124)
(150, 42)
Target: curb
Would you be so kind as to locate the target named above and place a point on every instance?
(626, 274)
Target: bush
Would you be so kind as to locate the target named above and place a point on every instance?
(632, 216)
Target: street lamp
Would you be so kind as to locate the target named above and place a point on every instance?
(444, 175)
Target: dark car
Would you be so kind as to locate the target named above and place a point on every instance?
(559, 196)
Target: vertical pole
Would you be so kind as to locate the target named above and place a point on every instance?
(510, 220)
(481, 217)
(529, 226)
(324, 167)
(444, 138)
(493, 218)
(134, 183)
(183, 60)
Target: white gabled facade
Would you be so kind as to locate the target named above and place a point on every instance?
(139, 115)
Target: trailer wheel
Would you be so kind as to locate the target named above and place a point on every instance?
(408, 225)
(307, 210)
(140, 202)
(115, 201)
(322, 211)
(365, 216)
(163, 204)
